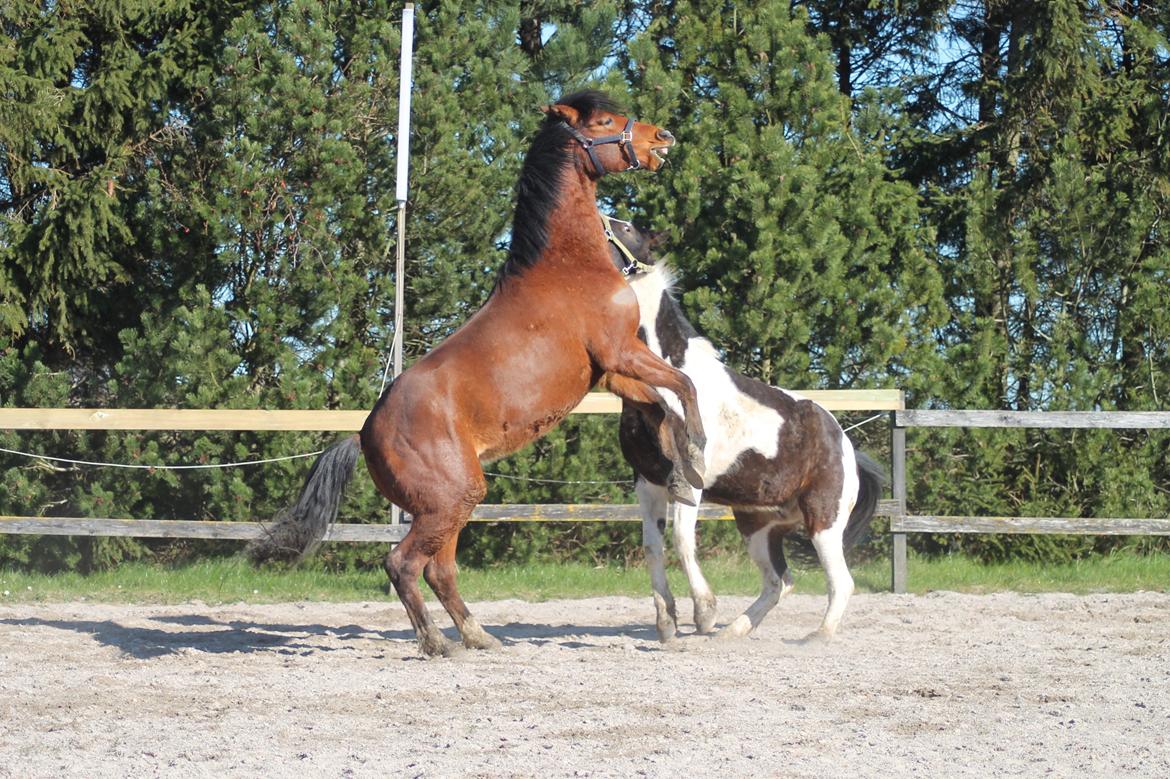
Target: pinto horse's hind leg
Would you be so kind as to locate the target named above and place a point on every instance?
(839, 581)
(828, 538)
(764, 533)
(440, 576)
(652, 500)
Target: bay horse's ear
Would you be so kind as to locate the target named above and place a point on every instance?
(563, 112)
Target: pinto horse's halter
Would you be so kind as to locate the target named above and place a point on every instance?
(632, 265)
(625, 138)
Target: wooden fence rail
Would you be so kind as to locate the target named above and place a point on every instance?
(902, 522)
(384, 533)
(340, 421)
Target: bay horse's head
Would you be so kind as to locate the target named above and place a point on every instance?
(609, 142)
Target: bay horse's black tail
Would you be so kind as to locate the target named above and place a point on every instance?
(870, 478)
(298, 529)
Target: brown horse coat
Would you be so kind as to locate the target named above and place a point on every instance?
(560, 318)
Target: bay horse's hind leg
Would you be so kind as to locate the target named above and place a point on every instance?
(403, 565)
(764, 533)
(439, 485)
(652, 500)
(440, 576)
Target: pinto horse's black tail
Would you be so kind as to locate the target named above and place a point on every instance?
(298, 530)
(871, 478)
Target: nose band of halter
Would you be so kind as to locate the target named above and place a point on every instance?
(625, 139)
(633, 264)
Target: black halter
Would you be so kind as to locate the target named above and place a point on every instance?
(625, 138)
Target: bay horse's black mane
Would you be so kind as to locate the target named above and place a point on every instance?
(538, 190)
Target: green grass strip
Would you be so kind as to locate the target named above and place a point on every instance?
(233, 580)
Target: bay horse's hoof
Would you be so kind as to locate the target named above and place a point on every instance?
(486, 641)
(475, 637)
(694, 478)
(694, 467)
(678, 490)
(438, 646)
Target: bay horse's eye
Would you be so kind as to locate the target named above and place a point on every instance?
(608, 121)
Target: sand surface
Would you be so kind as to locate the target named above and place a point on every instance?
(939, 685)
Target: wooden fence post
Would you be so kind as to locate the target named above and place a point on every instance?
(898, 488)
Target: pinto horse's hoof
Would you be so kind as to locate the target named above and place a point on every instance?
(705, 613)
(667, 618)
(818, 637)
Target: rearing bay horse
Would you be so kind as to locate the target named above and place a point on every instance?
(560, 320)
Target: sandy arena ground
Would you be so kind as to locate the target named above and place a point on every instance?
(941, 685)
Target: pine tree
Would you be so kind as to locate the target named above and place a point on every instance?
(874, 44)
(1049, 199)
(801, 256)
(86, 96)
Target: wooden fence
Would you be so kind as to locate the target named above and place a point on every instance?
(340, 421)
(902, 523)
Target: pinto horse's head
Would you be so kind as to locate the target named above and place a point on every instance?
(631, 249)
(609, 142)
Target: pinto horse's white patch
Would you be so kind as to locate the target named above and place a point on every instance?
(742, 422)
(648, 288)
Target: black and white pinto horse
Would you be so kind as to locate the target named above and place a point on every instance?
(780, 461)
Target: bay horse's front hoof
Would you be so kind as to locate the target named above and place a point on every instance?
(694, 467)
(678, 490)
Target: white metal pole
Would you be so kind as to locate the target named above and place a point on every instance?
(400, 191)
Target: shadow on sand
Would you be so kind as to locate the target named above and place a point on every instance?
(193, 632)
